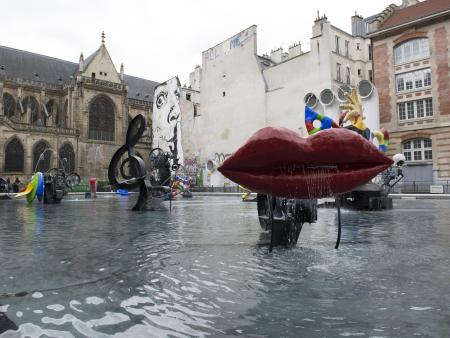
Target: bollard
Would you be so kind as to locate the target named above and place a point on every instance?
(93, 187)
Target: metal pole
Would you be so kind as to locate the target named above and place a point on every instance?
(338, 204)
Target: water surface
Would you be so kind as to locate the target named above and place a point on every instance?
(93, 268)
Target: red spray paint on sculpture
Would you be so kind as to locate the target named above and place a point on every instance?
(277, 161)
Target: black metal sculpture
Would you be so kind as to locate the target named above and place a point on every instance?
(283, 218)
(56, 183)
(127, 170)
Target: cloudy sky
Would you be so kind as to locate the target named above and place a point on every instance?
(159, 39)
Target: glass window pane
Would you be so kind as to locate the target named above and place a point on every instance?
(428, 154)
(400, 83)
(399, 55)
(420, 110)
(418, 156)
(429, 107)
(407, 155)
(427, 143)
(410, 109)
(401, 111)
(427, 78)
(417, 143)
(407, 145)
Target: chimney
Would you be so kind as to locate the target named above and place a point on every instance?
(358, 28)
(277, 55)
(319, 24)
(295, 50)
(407, 3)
(81, 63)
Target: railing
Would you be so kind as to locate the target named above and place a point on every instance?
(41, 129)
(422, 187)
(32, 83)
(102, 83)
(137, 102)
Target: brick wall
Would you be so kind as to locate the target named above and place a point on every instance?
(442, 69)
(382, 81)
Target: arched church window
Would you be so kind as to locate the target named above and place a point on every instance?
(9, 105)
(14, 156)
(61, 116)
(51, 109)
(31, 107)
(41, 156)
(67, 158)
(101, 119)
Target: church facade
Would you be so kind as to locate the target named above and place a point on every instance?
(58, 113)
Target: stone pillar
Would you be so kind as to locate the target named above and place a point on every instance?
(1, 100)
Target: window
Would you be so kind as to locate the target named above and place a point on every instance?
(101, 119)
(415, 109)
(195, 111)
(347, 47)
(420, 111)
(14, 156)
(370, 52)
(400, 84)
(223, 94)
(31, 107)
(41, 156)
(9, 105)
(61, 116)
(427, 78)
(67, 158)
(419, 149)
(410, 109)
(338, 72)
(188, 96)
(429, 107)
(337, 44)
(347, 75)
(357, 46)
(401, 111)
(370, 76)
(414, 80)
(93, 75)
(411, 50)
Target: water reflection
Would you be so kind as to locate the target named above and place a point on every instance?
(93, 268)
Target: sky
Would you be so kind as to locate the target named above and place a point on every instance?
(157, 40)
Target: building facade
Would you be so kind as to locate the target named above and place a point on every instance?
(55, 112)
(236, 91)
(411, 59)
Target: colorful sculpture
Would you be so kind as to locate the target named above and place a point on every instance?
(311, 116)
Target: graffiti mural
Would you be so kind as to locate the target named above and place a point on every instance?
(167, 120)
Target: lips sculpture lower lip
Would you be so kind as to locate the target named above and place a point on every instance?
(277, 161)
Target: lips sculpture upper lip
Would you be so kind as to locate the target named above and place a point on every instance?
(277, 161)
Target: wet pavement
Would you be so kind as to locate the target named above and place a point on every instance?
(93, 268)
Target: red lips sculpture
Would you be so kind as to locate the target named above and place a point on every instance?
(277, 161)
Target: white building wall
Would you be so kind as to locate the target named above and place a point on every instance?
(241, 92)
(232, 95)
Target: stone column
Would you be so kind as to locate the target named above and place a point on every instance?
(1, 100)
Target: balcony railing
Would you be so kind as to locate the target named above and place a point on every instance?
(102, 83)
(41, 129)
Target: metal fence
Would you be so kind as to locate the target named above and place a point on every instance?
(422, 187)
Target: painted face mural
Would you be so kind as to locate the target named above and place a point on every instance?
(167, 119)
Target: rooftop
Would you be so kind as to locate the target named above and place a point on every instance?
(421, 10)
(41, 68)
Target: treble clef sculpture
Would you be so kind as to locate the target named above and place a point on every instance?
(127, 170)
